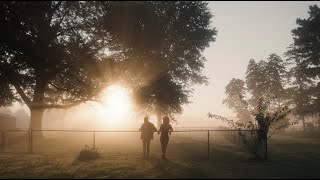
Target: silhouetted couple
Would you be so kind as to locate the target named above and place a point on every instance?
(147, 129)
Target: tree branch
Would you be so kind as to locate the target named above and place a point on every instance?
(60, 106)
(22, 94)
(53, 9)
(58, 88)
(57, 6)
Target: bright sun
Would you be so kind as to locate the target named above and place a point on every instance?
(117, 106)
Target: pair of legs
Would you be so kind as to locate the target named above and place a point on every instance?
(164, 143)
(146, 148)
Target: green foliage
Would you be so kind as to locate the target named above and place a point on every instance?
(304, 55)
(52, 53)
(265, 116)
(88, 153)
(162, 95)
(265, 78)
(180, 31)
(235, 92)
(173, 36)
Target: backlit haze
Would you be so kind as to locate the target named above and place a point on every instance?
(246, 30)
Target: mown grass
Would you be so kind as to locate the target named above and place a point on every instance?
(289, 157)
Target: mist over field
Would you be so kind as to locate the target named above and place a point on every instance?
(159, 89)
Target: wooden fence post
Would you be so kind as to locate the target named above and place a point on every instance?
(94, 139)
(208, 143)
(31, 141)
(2, 141)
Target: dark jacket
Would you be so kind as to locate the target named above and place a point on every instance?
(147, 130)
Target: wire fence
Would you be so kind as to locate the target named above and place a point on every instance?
(197, 144)
(299, 131)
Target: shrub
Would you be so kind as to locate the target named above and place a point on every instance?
(267, 114)
(88, 153)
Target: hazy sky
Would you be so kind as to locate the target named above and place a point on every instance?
(246, 30)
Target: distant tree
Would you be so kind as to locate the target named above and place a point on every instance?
(266, 79)
(266, 116)
(253, 82)
(305, 54)
(298, 92)
(275, 72)
(263, 97)
(263, 79)
(235, 93)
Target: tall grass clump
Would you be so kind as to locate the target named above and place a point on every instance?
(88, 153)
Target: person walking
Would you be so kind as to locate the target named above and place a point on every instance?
(147, 129)
(165, 130)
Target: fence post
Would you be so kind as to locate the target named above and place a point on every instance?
(31, 141)
(266, 156)
(208, 143)
(94, 139)
(29, 138)
(251, 140)
(2, 141)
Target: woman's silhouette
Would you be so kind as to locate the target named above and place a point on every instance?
(165, 130)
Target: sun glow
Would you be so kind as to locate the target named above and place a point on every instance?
(116, 107)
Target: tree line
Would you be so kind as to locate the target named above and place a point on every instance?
(291, 82)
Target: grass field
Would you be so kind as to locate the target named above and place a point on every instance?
(289, 157)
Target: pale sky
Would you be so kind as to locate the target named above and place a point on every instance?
(246, 30)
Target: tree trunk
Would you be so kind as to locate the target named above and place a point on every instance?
(304, 124)
(261, 149)
(261, 142)
(63, 123)
(36, 120)
(159, 119)
(35, 108)
(319, 122)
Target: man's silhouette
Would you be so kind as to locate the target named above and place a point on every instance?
(147, 129)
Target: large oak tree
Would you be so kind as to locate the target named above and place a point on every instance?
(57, 54)
(168, 54)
